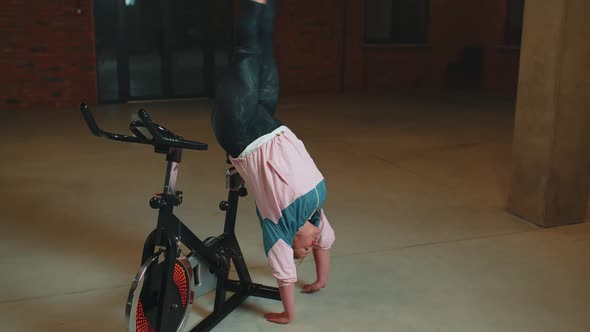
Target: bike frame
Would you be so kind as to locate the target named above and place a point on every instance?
(171, 233)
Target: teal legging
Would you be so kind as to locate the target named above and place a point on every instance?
(247, 95)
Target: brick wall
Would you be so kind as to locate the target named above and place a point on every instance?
(309, 45)
(319, 46)
(47, 56)
(453, 25)
(400, 69)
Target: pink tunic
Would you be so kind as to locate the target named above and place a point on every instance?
(289, 190)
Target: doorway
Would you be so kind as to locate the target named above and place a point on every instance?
(160, 49)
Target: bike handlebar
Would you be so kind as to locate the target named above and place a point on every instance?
(101, 133)
(161, 137)
(165, 137)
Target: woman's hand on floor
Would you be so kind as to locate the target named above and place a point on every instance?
(312, 288)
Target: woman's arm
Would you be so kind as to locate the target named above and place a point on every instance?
(288, 298)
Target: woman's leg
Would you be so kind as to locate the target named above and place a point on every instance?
(237, 118)
(269, 75)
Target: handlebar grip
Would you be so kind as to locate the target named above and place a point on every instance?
(134, 127)
(150, 126)
(195, 145)
(91, 122)
(170, 140)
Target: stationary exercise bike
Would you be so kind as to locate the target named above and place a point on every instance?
(177, 266)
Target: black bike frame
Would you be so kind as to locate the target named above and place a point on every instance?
(170, 232)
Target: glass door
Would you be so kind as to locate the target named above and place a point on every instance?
(144, 43)
(187, 39)
(160, 49)
(107, 49)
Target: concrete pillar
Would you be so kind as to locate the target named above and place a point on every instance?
(551, 151)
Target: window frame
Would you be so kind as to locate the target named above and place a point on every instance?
(510, 40)
(391, 40)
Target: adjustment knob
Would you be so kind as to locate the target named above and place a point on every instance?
(178, 198)
(243, 192)
(157, 202)
(224, 205)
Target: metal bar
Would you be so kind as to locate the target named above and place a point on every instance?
(233, 285)
(266, 292)
(195, 244)
(256, 290)
(220, 293)
(162, 320)
(213, 319)
(230, 215)
(171, 176)
(96, 131)
(240, 265)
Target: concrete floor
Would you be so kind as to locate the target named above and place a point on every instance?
(417, 189)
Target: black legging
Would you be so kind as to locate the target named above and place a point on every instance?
(247, 95)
